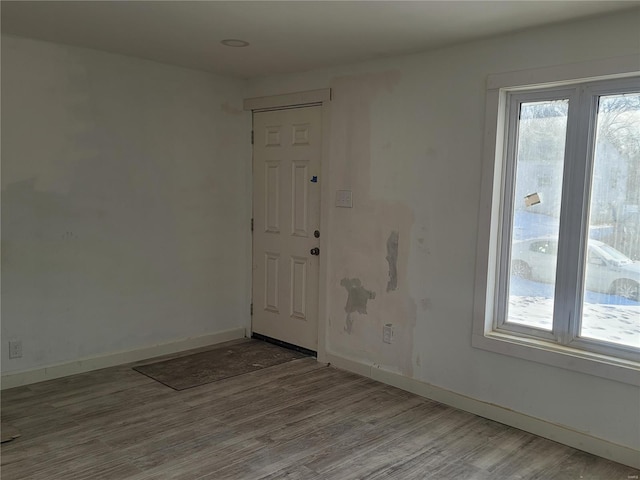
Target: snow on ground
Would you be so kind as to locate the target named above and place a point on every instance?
(605, 317)
(611, 323)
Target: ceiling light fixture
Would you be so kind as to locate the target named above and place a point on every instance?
(233, 42)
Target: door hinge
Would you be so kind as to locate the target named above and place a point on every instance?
(252, 309)
(252, 224)
(251, 137)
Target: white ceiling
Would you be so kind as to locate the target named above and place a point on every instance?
(284, 36)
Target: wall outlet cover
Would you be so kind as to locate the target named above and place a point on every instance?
(15, 348)
(387, 333)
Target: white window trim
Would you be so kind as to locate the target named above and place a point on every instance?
(485, 336)
(507, 213)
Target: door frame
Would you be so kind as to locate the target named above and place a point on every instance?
(321, 98)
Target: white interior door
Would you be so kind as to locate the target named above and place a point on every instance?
(286, 212)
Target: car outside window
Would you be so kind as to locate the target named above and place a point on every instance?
(574, 286)
(543, 247)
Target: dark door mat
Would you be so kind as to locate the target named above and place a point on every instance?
(213, 365)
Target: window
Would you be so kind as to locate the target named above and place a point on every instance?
(563, 265)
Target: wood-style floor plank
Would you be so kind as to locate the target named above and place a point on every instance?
(299, 421)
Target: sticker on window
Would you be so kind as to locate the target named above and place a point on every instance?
(532, 199)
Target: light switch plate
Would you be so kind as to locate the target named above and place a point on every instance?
(344, 199)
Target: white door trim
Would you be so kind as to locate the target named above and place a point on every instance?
(288, 100)
(304, 99)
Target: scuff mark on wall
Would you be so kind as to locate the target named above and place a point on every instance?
(392, 258)
(356, 301)
(426, 303)
(422, 246)
(226, 107)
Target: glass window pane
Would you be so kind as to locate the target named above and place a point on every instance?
(536, 212)
(611, 308)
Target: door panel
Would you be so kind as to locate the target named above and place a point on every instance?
(286, 207)
(272, 197)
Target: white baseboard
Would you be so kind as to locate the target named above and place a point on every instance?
(557, 433)
(26, 377)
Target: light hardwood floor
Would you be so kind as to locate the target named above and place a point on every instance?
(299, 420)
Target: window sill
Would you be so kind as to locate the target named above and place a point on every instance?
(489, 225)
(550, 353)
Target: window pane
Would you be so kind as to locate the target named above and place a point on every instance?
(611, 309)
(536, 212)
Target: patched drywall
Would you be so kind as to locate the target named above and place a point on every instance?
(406, 137)
(357, 298)
(392, 259)
(125, 204)
(365, 247)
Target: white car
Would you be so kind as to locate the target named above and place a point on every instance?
(608, 270)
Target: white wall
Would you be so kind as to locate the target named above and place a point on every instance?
(125, 203)
(126, 195)
(407, 137)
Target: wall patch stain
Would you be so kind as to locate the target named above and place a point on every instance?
(358, 102)
(357, 299)
(426, 303)
(228, 108)
(392, 258)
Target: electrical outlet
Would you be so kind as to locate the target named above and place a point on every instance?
(387, 333)
(15, 348)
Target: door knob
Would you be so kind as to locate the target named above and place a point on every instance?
(316, 234)
(315, 251)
